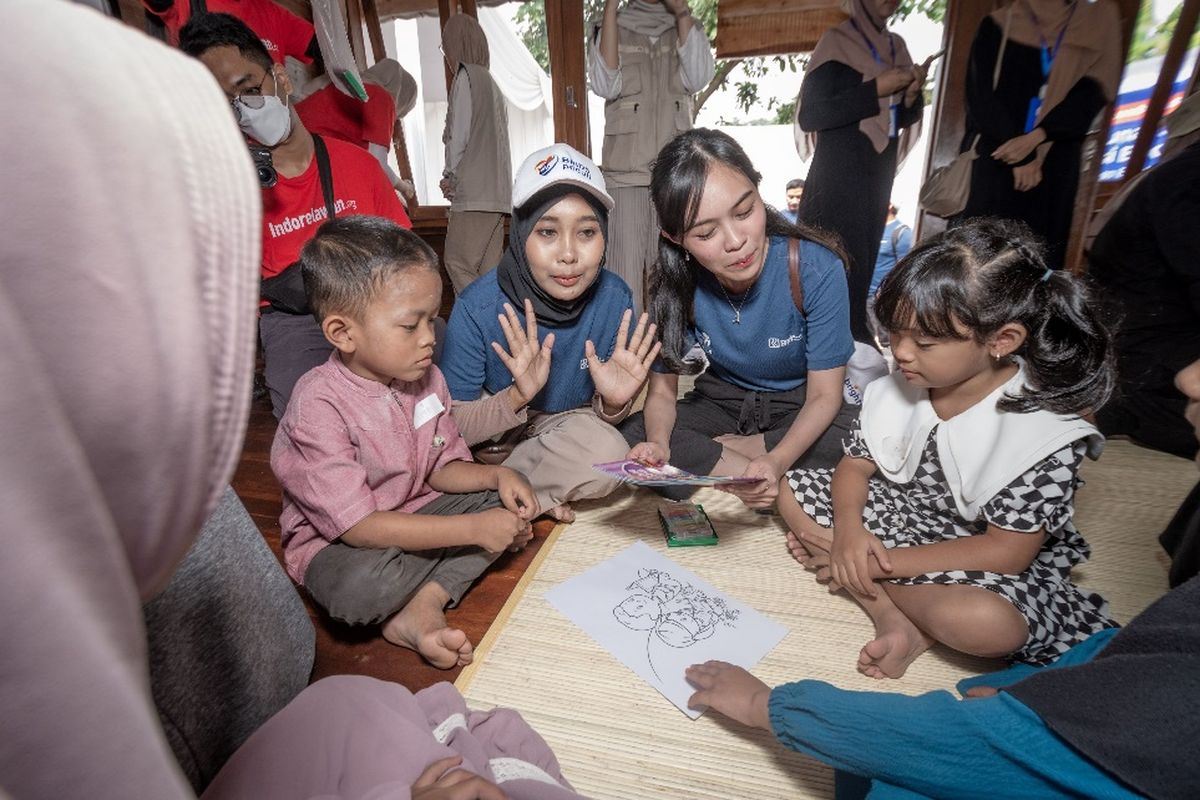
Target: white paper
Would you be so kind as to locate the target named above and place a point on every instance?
(427, 409)
(657, 618)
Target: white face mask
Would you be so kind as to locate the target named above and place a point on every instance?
(268, 125)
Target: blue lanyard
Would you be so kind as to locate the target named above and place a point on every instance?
(871, 47)
(1048, 54)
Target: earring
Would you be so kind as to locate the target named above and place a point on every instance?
(687, 257)
(996, 356)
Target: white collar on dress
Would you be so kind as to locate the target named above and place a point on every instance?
(981, 450)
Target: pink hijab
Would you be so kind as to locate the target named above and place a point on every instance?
(128, 279)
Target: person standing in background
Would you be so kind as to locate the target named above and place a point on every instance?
(1059, 66)
(477, 179)
(794, 190)
(858, 113)
(647, 60)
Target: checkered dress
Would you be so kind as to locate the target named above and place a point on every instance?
(923, 512)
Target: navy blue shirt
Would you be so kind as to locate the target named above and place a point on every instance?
(472, 367)
(774, 346)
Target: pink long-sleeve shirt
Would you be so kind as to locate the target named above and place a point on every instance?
(348, 446)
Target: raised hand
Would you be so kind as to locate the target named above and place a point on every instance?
(528, 362)
(620, 378)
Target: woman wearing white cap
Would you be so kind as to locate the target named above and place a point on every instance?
(558, 397)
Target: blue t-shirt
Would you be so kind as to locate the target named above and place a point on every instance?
(774, 346)
(895, 244)
(471, 366)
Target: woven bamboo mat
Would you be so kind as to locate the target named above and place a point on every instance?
(616, 737)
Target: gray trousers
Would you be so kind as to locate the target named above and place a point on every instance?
(367, 585)
(633, 235)
(714, 408)
(292, 345)
(474, 242)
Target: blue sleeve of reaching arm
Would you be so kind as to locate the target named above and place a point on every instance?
(934, 744)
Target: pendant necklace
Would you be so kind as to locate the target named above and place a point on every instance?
(737, 310)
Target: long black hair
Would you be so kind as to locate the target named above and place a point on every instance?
(677, 179)
(987, 273)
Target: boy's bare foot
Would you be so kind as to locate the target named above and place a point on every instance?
(562, 512)
(421, 626)
(897, 644)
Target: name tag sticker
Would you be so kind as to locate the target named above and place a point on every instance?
(426, 410)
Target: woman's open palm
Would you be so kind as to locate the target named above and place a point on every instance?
(621, 376)
(526, 360)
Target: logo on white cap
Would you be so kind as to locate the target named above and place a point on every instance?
(544, 166)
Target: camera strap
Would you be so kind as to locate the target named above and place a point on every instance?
(325, 173)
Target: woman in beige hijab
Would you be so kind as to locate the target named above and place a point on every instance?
(857, 114)
(1059, 65)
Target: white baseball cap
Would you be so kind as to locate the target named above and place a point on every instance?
(554, 165)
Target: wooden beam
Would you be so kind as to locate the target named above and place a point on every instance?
(354, 27)
(1162, 90)
(374, 30)
(773, 27)
(566, 36)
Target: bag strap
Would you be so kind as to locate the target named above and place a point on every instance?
(794, 275)
(325, 173)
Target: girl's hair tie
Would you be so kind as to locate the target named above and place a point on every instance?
(1046, 275)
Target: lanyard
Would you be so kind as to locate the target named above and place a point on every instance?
(871, 47)
(1048, 54)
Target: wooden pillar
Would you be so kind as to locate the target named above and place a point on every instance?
(565, 34)
(354, 27)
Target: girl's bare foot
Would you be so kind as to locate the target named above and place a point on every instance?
(563, 513)
(797, 549)
(897, 644)
(421, 626)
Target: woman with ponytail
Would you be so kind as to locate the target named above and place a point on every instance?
(771, 337)
(949, 518)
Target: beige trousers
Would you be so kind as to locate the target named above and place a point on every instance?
(474, 242)
(557, 452)
(633, 235)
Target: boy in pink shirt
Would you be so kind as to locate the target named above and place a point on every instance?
(386, 520)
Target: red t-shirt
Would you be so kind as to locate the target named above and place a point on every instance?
(330, 112)
(283, 33)
(294, 208)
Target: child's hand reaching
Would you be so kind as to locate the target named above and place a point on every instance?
(620, 377)
(441, 781)
(761, 494)
(850, 558)
(516, 494)
(732, 691)
(500, 529)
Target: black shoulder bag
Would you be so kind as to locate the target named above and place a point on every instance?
(285, 291)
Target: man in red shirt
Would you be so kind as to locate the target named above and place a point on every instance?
(282, 32)
(294, 207)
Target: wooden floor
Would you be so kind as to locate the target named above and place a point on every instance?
(342, 649)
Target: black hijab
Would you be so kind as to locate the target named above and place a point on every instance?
(513, 273)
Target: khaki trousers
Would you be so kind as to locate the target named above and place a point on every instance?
(633, 235)
(474, 242)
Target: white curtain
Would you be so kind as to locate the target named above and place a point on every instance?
(525, 86)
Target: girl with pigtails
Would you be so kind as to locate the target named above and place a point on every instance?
(949, 518)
